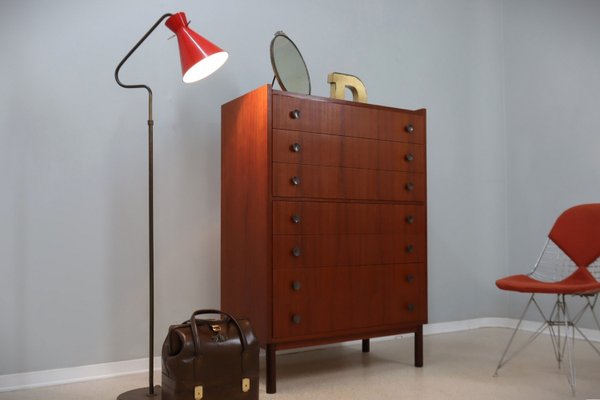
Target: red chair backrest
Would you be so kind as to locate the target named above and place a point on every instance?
(577, 233)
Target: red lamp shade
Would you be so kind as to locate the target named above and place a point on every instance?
(199, 57)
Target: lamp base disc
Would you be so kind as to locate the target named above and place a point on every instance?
(141, 394)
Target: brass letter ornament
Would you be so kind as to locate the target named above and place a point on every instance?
(339, 82)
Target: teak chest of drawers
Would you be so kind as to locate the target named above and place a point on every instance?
(323, 220)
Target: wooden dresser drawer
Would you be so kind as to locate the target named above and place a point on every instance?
(295, 113)
(309, 217)
(326, 300)
(292, 180)
(332, 150)
(307, 251)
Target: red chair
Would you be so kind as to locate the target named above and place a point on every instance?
(569, 265)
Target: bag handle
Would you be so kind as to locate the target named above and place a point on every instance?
(196, 337)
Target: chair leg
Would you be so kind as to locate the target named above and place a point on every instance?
(554, 324)
(569, 344)
(590, 304)
(570, 323)
(593, 308)
(563, 340)
(503, 359)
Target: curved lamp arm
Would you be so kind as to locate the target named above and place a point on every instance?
(139, 86)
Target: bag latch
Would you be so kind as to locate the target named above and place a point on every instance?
(217, 333)
(198, 393)
(245, 385)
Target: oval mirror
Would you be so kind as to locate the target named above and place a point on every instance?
(288, 65)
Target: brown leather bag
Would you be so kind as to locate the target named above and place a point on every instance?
(210, 359)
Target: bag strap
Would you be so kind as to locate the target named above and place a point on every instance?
(196, 337)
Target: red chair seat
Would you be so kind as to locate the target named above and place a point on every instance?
(579, 282)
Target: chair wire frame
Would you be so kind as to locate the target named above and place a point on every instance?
(553, 265)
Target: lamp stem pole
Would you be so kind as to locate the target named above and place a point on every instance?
(151, 391)
(150, 246)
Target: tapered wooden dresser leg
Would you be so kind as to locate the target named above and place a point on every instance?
(271, 369)
(419, 346)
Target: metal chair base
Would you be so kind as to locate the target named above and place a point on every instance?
(563, 340)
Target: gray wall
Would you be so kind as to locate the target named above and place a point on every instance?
(73, 242)
(552, 69)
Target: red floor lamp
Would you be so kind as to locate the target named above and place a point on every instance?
(199, 58)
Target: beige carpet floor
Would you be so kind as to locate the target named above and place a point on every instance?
(457, 366)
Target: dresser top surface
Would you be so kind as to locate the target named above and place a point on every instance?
(268, 88)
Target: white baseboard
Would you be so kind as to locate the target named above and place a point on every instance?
(50, 377)
(60, 376)
(528, 326)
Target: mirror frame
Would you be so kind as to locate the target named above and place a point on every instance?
(273, 64)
